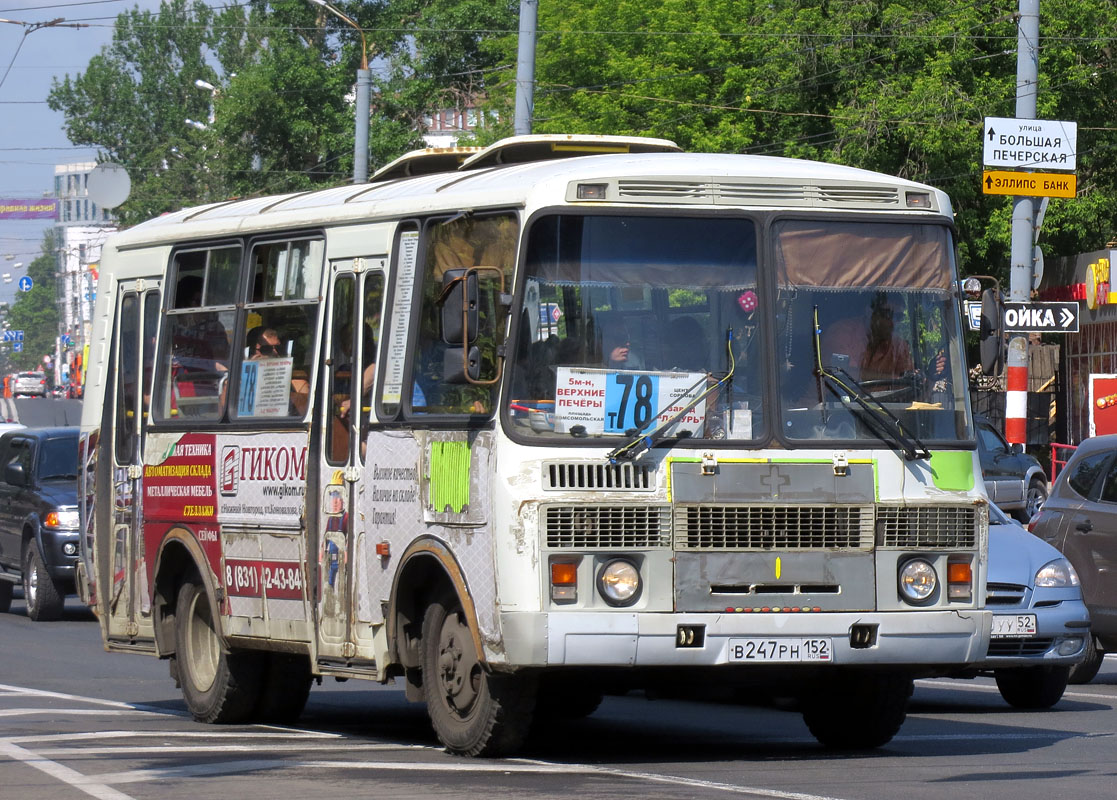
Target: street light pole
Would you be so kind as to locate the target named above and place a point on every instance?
(364, 82)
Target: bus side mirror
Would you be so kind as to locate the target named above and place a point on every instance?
(992, 332)
(460, 366)
(459, 306)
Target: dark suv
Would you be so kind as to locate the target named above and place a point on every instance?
(38, 517)
(1014, 481)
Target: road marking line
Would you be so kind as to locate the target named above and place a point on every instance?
(252, 747)
(935, 683)
(67, 737)
(93, 787)
(60, 696)
(87, 712)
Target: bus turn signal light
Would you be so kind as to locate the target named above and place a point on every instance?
(564, 582)
(959, 579)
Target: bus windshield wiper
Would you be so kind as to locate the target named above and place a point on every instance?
(872, 411)
(639, 443)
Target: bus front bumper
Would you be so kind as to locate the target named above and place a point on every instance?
(938, 638)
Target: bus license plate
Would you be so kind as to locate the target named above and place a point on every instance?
(1014, 625)
(780, 650)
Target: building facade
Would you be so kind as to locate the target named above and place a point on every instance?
(80, 232)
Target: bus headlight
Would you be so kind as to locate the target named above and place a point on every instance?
(918, 581)
(618, 581)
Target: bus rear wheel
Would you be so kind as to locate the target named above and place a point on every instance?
(473, 711)
(858, 711)
(285, 688)
(218, 686)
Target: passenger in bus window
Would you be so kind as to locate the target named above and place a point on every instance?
(264, 343)
(869, 345)
(616, 347)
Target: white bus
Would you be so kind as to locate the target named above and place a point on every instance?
(572, 416)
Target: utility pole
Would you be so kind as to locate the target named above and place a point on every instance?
(525, 67)
(1023, 229)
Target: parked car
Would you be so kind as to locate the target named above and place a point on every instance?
(1080, 519)
(1040, 624)
(1014, 480)
(38, 517)
(29, 384)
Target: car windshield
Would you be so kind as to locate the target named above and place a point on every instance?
(58, 458)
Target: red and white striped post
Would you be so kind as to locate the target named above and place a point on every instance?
(1016, 391)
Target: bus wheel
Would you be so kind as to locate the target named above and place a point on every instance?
(566, 699)
(473, 711)
(285, 689)
(218, 686)
(858, 711)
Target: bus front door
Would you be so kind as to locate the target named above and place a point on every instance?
(344, 634)
(123, 566)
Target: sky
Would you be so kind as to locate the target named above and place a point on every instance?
(32, 137)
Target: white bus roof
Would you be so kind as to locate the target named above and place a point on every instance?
(643, 178)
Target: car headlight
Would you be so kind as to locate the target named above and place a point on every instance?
(61, 519)
(618, 581)
(1057, 574)
(918, 581)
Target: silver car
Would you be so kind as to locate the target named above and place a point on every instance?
(1040, 624)
(29, 384)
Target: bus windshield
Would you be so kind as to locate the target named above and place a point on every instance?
(866, 316)
(632, 323)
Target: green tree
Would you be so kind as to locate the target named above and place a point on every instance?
(889, 85)
(132, 102)
(36, 312)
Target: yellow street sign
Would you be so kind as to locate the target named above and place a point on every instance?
(1029, 184)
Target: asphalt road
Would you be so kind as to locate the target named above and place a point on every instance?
(78, 722)
(40, 412)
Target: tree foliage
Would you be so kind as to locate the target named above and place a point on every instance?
(35, 313)
(888, 85)
(891, 85)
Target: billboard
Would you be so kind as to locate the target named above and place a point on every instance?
(1103, 404)
(36, 208)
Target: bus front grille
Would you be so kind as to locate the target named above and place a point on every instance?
(607, 527)
(595, 477)
(935, 527)
(773, 527)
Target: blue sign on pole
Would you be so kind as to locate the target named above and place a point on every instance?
(25, 283)
(18, 347)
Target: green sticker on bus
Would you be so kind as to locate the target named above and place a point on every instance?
(952, 470)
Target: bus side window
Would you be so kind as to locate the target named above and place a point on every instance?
(461, 243)
(280, 330)
(195, 349)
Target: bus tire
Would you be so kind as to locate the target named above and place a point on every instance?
(858, 711)
(5, 595)
(218, 686)
(565, 699)
(285, 689)
(1032, 687)
(44, 601)
(473, 711)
